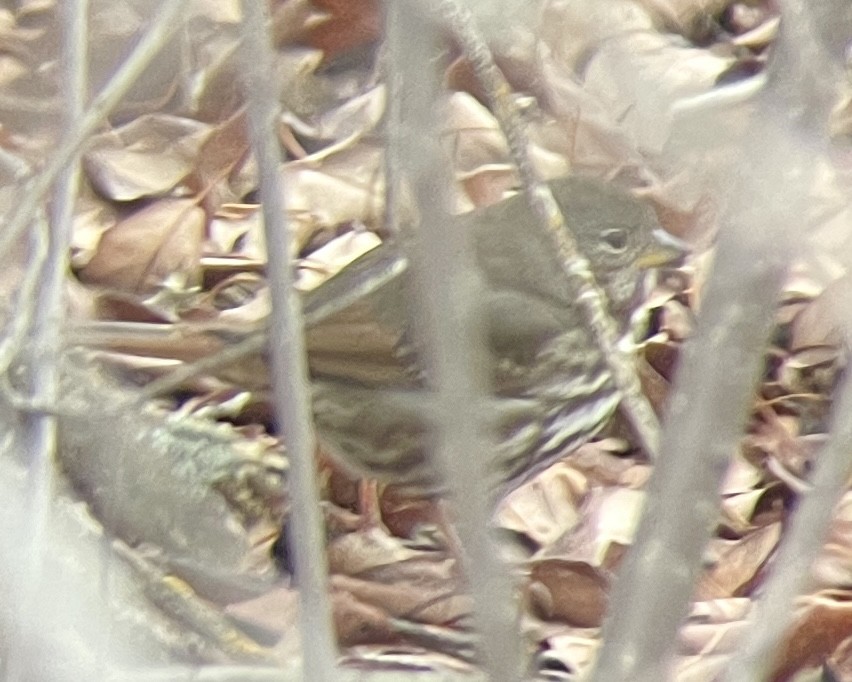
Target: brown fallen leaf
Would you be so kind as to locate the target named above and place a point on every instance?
(548, 506)
(347, 26)
(427, 593)
(360, 623)
(358, 553)
(220, 156)
(147, 157)
(745, 511)
(840, 663)
(709, 622)
(737, 566)
(570, 591)
(822, 624)
(159, 243)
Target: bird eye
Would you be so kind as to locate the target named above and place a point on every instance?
(615, 239)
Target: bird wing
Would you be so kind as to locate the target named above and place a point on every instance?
(358, 323)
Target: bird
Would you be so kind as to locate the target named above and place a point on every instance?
(551, 387)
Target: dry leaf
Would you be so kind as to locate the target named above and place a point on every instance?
(737, 566)
(360, 623)
(159, 243)
(548, 506)
(608, 520)
(358, 553)
(427, 592)
(347, 26)
(823, 622)
(333, 188)
(840, 663)
(147, 157)
(570, 591)
(333, 257)
(219, 157)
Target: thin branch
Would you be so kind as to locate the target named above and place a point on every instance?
(289, 373)
(591, 297)
(450, 322)
(720, 364)
(163, 24)
(44, 290)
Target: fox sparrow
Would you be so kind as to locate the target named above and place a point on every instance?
(552, 390)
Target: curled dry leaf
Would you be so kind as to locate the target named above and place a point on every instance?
(570, 651)
(426, 592)
(236, 232)
(408, 517)
(741, 477)
(236, 304)
(348, 25)
(413, 659)
(840, 663)
(333, 188)
(350, 121)
(833, 568)
(676, 320)
(738, 564)
(608, 521)
(600, 461)
(702, 668)
(547, 507)
(360, 623)
(823, 621)
(118, 306)
(159, 243)
(717, 611)
(476, 145)
(485, 186)
(271, 617)
(329, 259)
(218, 161)
(92, 217)
(712, 631)
(570, 591)
(655, 386)
(147, 157)
(359, 553)
(742, 512)
(475, 138)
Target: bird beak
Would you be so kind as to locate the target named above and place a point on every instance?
(665, 249)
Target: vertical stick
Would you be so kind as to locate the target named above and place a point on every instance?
(286, 349)
(39, 430)
(451, 325)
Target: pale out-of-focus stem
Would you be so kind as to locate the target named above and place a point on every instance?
(592, 298)
(288, 363)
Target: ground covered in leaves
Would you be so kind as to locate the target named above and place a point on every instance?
(168, 267)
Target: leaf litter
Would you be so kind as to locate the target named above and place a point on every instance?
(167, 233)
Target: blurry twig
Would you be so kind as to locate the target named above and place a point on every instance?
(176, 598)
(163, 24)
(288, 363)
(39, 312)
(593, 300)
(781, 148)
(803, 541)
(449, 322)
